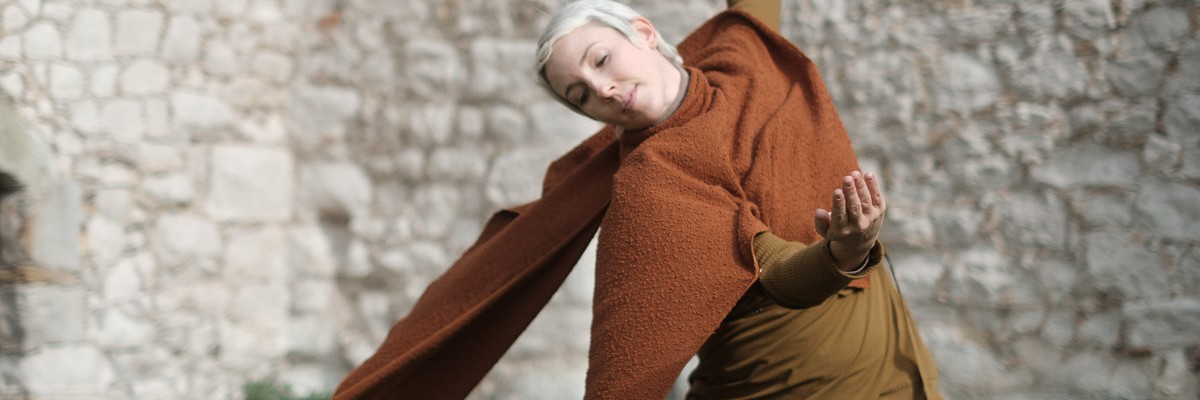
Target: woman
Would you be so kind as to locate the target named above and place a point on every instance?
(694, 166)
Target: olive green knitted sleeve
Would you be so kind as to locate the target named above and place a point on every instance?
(796, 275)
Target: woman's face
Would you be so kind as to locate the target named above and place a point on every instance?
(617, 82)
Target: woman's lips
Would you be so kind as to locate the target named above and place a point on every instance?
(630, 100)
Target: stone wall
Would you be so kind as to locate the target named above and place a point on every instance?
(225, 191)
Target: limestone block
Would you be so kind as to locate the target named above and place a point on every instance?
(982, 275)
(435, 71)
(985, 174)
(220, 58)
(123, 120)
(1118, 265)
(1189, 60)
(1162, 26)
(963, 360)
(311, 335)
(1163, 323)
(138, 32)
(274, 66)
(10, 47)
(14, 19)
(70, 369)
(458, 164)
(470, 123)
(261, 306)
(106, 240)
(1133, 121)
(309, 252)
(181, 44)
(907, 228)
(558, 128)
(379, 70)
(156, 158)
(501, 67)
(410, 163)
(1191, 164)
(256, 256)
(316, 115)
(975, 25)
(314, 296)
(337, 188)
(104, 81)
(145, 77)
(968, 83)
(558, 379)
(1088, 165)
(114, 203)
(431, 124)
(358, 261)
(516, 177)
(57, 12)
(1177, 380)
(42, 41)
(1088, 17)
(251, 184)
(58, 215)
(507, 125)
(231, 8)
(191, 7)
(180, 238)
(957, 227)
(90, 37)
(52, 314)
(1054, 71)
(1031, 219)
(1182, 120)
(1138, 69)
(312, 379)
(119, 330)
(66, 82)
(246, 346)
(1169, 209)
(1101, 329)
(1160, 154)
(197, 111)
(1104, 209)
(12, 83)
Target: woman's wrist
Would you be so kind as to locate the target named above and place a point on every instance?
(849, 258)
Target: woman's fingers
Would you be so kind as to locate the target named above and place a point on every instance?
(854, 211)
(864, 194)
(837, 216)
(876, 194)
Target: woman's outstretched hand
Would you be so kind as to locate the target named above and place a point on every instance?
(853, 224)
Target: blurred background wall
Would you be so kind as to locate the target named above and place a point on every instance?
(216, 192)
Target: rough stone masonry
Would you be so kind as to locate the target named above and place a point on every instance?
(219, 192)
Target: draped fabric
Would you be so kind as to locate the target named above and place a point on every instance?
(756, 143)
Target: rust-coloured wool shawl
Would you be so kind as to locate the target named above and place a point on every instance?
(756, 143)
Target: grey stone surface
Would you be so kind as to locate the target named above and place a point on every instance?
(234, 190)
(90, 36)
(251, 184)
(138, 32)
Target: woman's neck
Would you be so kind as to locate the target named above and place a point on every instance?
(683, 86)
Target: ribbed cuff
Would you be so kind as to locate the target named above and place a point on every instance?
(800, 276)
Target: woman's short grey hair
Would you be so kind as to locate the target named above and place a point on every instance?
(578, 13)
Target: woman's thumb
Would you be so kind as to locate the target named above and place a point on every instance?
(821, 221)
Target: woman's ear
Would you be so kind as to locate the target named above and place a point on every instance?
(645, 30)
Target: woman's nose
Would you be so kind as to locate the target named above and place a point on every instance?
(605, 89)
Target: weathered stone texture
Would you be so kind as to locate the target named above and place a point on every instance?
(240, 190)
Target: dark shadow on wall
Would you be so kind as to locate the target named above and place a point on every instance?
(13, 261)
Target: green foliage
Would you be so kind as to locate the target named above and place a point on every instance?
(268, 389)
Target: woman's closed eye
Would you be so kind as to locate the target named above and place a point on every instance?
(583, 95)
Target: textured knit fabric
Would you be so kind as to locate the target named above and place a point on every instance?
(861, 343)
(755, 143)
(796, 275)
